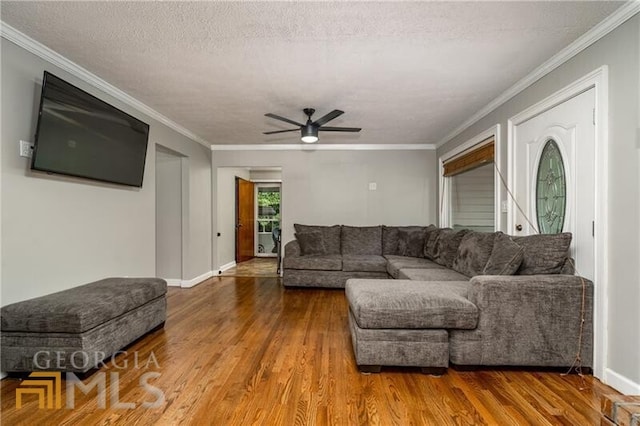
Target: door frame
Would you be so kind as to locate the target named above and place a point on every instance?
(599, 81)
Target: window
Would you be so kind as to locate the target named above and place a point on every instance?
(468, 185)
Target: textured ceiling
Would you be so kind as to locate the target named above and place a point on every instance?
(405, 72)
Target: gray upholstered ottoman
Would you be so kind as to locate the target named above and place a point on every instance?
(404, 323)
(75, 329)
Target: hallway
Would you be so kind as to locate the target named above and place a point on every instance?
(256, 267)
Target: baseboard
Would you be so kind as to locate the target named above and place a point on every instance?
(226, 266)
(621, 383)
(173, 282)
(197, 280)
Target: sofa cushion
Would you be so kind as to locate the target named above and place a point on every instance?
(430, 249)
(395, 263)
(543, 253)
(364, 263)
(328, 262)
(361, 240)
(411, 241)
(311, 243)
(330, 235)
(389, 240)
(473, 253)
(443, 274)
(393, 304)
(447, 246)
(506, 256)
(82, 308)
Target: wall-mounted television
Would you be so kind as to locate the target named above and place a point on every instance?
(81, 135)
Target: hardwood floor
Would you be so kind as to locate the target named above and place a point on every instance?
(256, 267)
(240, 351)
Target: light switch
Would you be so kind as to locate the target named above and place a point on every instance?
(505, 207)
(373, 186)
(26, 149)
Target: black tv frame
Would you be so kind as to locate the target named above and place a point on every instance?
(97, 100)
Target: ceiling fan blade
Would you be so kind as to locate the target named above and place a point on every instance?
(340, 129)
(280, 131)
(277, 117)
(333, 114)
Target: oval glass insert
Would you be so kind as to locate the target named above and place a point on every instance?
(551, 190)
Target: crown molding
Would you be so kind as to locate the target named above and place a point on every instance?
(617, 18)
(331, 147)
(11, 34)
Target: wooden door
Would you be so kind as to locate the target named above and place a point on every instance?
(245, 212)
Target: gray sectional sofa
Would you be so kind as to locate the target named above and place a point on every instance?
(445, 296)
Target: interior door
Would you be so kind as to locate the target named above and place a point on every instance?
(245, 212)
(553, 179)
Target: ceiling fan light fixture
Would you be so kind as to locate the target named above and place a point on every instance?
(309, 134)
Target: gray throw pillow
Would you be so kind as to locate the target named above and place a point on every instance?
(430, 242)
(330, 235)
(389, 239)
(411, 241)
(447, 246)
(505, 258)
(361, 240)
(473, 253)
(311, 243)
(543, 253)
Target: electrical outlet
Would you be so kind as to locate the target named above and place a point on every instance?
(26, 149)
(373, 186)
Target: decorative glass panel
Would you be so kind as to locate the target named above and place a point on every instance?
(551, 190)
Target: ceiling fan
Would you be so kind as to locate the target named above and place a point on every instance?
(310, 130)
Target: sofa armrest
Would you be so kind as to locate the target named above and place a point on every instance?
(533, 319)
(292, 248)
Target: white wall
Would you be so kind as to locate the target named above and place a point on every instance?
(332, 187)
(620, 51)
(168, 215)
(61, 232)
(226, 213)
(266, 174)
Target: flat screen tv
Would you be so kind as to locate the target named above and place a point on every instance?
(80, 135)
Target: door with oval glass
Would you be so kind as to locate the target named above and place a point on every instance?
(553, 182)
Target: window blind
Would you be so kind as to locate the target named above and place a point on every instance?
(471, 159)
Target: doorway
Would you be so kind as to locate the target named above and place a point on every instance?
(593, 84)
(267, 222)
(170, 215)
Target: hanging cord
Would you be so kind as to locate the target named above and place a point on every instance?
(577, 362)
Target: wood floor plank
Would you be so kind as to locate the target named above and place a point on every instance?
(245, 351)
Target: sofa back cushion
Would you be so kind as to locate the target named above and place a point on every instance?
(430, 250)
(330, 235)
(389, 240)
(411, 240)
(447, 246)
(357, 240)
(544, 253)
(506, 256)
(311, 243)
(473, 253)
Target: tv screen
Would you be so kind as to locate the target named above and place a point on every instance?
(80, 135)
